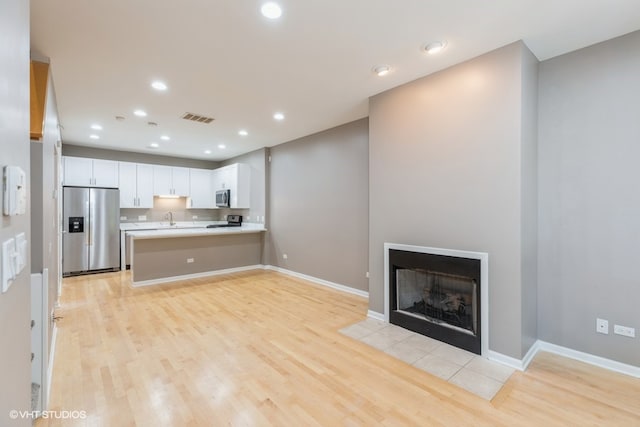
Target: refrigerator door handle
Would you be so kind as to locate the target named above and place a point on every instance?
(91, 221)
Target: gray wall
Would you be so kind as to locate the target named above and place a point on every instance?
(15, 307)
(529, 199)
(126, 156)
(589, 146)
(446, 170)
(319, 205)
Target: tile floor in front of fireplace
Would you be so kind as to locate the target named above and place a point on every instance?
(473, 373)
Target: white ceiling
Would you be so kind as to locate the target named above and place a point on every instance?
(223, 59)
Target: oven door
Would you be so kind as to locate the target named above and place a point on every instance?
(222, 198)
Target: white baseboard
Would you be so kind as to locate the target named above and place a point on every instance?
(375, 315)
(195, 275)
(591, 359)
(317, 281)
(52, 356)
(509, 361)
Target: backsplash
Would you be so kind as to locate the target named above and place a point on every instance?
(180, 212)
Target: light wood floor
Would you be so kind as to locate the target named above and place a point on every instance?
(260, 348)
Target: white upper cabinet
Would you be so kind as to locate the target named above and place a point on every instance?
(237, 179)
(201, 193)
(136, 185)
(82, 172)
(170, 180)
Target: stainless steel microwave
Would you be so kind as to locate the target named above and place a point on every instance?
(223, 198)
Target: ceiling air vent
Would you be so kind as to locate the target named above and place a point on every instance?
(197, 118)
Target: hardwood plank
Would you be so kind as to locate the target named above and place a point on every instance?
(261, 348)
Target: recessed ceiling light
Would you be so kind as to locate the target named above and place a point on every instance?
(243, 132)
(271, 10)
(154, 145)
(278, 116)
(96, 127)
(434, 47)
(207, 151)
(381, 70)
(158, 85)
(94, 136)
(165, 138)
(222, 146)
(140, 113)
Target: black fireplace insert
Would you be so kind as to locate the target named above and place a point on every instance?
(437, 296)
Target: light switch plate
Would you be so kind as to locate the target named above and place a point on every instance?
(8, 255)
(21, 253)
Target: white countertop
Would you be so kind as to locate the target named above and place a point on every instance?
(195, 231)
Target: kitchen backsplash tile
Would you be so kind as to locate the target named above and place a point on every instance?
(180, 212)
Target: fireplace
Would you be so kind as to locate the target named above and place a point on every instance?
(440, 293)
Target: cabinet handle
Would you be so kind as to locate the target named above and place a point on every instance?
(138, 201)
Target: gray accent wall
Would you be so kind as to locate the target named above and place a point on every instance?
(589, 203)
(318, 205)
(529, 199)
(448, 169)
(15, 306)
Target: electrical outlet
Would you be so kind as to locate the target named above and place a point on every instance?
(194, 217)
(142, 217)
(366, 275)
(190, 260)
(602, 326)
(624, 331)
(123, 218)
(285, 256)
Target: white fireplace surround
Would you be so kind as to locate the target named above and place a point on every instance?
(483, 257)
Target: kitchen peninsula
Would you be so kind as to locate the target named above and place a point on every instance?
(164, 255)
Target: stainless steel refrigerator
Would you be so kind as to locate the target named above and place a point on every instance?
(91, 230)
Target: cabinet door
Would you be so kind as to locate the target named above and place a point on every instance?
(180, 181)
(78, 171)
(231, 183)
(162, 181)
(144, 181)
(105, 173)
(216, 181)
(242, 199)
(222, 178)
(127, 176)
(201, 195)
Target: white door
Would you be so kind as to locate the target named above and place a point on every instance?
(78, 171)
(201, 195)
(162, 180)
(128, 194)
(105, 173)
(180, 177)
(145, 186)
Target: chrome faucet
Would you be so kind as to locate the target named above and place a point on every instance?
(169, 216)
